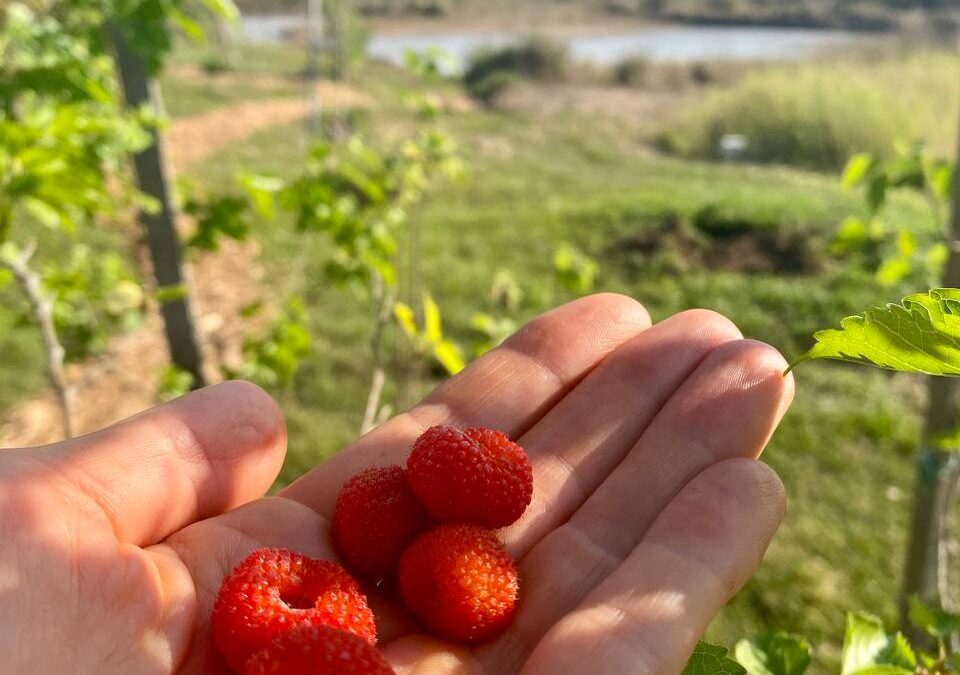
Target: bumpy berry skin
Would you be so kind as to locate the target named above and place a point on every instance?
(473, 476)
(460, 582)
(275, 590)
(318, 650)
(376, 516)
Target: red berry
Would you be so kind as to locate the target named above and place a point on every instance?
(474, 476)
(460, 582)
(275, 590)
(318, 650)
(376, 516)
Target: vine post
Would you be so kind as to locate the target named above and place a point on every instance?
(153, 179)
(938, 468)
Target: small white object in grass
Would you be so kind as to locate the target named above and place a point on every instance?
(733, 146)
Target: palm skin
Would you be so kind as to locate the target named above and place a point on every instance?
(649, 509)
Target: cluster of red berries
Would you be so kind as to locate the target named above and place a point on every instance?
(426, 528)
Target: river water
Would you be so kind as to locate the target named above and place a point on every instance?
(658, 43)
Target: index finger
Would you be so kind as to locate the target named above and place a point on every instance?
(507, 389)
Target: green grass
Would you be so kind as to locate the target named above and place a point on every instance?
(819, 114)
(259, 73)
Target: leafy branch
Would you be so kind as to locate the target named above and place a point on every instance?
(867, 649)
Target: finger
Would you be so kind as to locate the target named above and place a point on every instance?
(585, 436)
(726, 409)
(648, 615)
(156, 472)
(508, 389)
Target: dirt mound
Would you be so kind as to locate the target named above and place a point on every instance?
(746, 248)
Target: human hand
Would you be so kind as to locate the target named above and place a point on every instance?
(648, 512)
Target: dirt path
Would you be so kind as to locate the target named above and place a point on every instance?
(124, 379)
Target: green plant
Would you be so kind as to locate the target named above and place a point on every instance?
(818, 115)
(61, 136)
(895, 247)
(631, 72)
(174, 382)
(574, 270)
(272, 359)
(867, 649)
(490, 72)
(359, 198)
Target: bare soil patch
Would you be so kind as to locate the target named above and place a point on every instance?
(747, 250)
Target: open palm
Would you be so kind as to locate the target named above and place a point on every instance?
(648, 511)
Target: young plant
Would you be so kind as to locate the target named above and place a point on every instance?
(938, 472)
(359, 198)
(896, 247)
(573, 269)
(867, 650)
(272, 359)
(61, 136)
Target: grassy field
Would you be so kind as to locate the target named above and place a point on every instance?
(844, 451)
(819, 114)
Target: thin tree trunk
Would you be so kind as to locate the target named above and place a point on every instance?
(938, 471)
(41, 306)
(153, 178)
(382, 308)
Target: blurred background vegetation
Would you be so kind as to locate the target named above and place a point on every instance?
(688, 153)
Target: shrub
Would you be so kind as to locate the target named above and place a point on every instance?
(819, 114)
(631, 72)
(534, 59)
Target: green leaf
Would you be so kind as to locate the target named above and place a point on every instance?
(225, 8)
(906, 243)
(893, 270)
(876, 192)
(868, 650)
(856, 169)
(261, 191)
(404, 316)
(187, 24)
(936, 257)
(941, 176)
(937, 622)
(852, 235)
(710, 659)
(174, 382)
(919, 335)
(775, 653)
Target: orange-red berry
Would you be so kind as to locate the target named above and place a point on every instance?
(273, 591)
(473, 476)
(460, 582)
(376, 516)
(318, 650)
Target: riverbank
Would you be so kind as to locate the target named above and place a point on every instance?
(449, 15)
